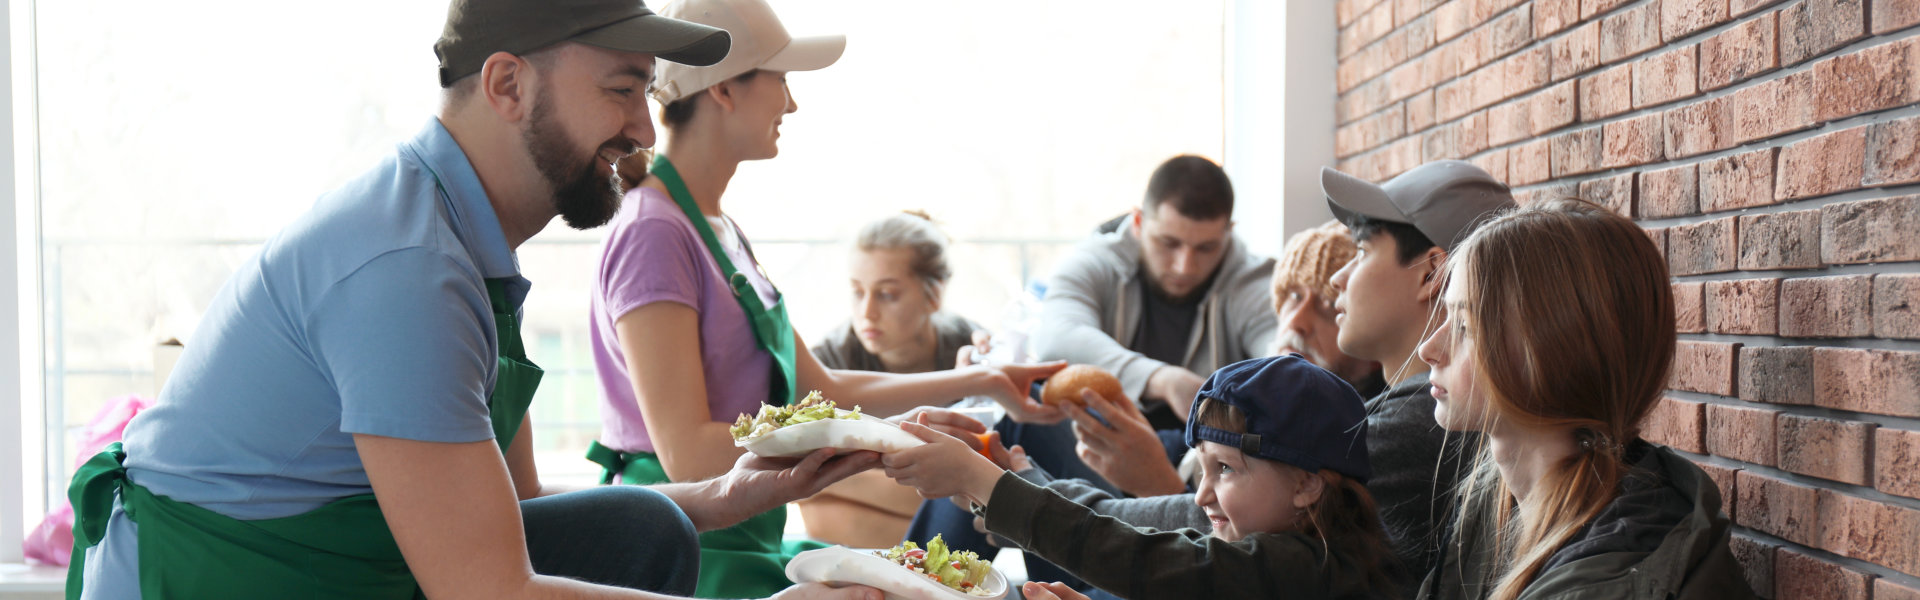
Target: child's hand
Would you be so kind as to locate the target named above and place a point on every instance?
(1034, 590)
(944, 467)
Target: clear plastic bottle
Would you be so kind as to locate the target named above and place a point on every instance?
(1010, 344)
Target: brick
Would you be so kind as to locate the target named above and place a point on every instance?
(1882, 382)
(1776, 507)
(1370, 132)
(1554, 107)
(1606, 93)
(1576, 52)
(1885, 589)
(1705, 367)
(1665, 77)
(1689, 307)
(1756, 560)
(1509, 122)
(1677, 424)
(1552, 191)
(1737, 181)
(1550, 16)
(1870, 231)
(1459, 57)
(1788, 240)
(1457, 139)
(1873, 79)
(1524, 72)
(1893, 152)
(1821, 165)
(1416, 37)
(1406, 10)
(1740, 52)
(1777, 375)
(1812, 27)
(1772, 108)
(1508, 32)
(1669, 192)
(1494, 163)
(1705, 247)
(1345, 11)
(1636, 141)
(1615, 193)
(1896, 462)
(1741, 433)
(1698, 128)
(1453, 99)
(1527, 163)
(1741, 8)
(1576, 152)
(1419, 110)
(1372, 25)
(1797, 575)
(1629, 32)
(1411, 78)
(1827, 306)
(1659, 237)
(1589, 8)
(1892, 15)
(1896, 306)
(1825, 448)
(1743, 306)
(1726, 480)
(1679, 18)
(1883, 534)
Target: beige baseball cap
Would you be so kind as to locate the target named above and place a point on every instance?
(759, 42)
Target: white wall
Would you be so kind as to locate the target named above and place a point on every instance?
(1279, 135)
(22, 476)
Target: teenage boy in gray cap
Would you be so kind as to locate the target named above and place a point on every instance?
(350, 419)
(1389, 298)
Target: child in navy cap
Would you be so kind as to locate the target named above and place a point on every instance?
(1284, 452)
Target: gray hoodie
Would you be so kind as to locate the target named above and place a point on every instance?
(1093, 303)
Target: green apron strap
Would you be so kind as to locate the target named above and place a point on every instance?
(771, 328)
(517, 379)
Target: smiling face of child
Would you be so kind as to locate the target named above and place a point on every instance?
(1244, 495)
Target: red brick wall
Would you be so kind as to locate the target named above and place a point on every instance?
(1772, 149)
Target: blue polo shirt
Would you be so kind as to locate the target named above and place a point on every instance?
(369, 314)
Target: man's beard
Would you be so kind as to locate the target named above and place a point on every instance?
(583, 198)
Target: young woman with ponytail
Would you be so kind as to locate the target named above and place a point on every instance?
(1558, 335)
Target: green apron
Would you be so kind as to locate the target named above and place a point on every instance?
(747, 560)
(340, 550)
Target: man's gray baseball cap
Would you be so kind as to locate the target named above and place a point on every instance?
(478, 28)
(1445, 199)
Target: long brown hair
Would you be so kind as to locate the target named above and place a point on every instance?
(1345, 515)
(1572, 313)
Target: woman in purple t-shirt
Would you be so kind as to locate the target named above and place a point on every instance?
(687, 331)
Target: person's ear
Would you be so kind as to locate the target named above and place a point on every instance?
(1312, 487)
(1433, 273)
(1134, 216)
(722, 95)
(507, 82)
(934, 292)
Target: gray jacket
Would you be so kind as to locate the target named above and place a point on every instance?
(1093, 303)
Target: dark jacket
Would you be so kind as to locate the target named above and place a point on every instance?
(1416, 466)
(1664, 537)
(1146, 564)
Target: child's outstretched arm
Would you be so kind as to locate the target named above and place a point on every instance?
(944, 467)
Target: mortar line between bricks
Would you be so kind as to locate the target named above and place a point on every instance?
(1857, 491)
(1773, 341)
(1852, 563)
(1816, 202)
(1891, 268)
(1756, 80)
(1803, 410)
(1785, 139)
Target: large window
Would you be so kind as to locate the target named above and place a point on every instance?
(175, 137)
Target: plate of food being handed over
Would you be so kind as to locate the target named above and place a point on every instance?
(904, 572)
(814, 423)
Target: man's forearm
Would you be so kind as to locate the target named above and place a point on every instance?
(706, 503)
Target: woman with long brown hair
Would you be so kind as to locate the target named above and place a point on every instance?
(1558, 336)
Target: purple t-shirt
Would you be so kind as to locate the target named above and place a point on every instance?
(653, 254)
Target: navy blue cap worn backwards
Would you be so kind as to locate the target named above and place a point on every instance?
(1297, 413)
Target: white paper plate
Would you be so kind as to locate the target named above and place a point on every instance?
(868, 433)
(840, 565)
